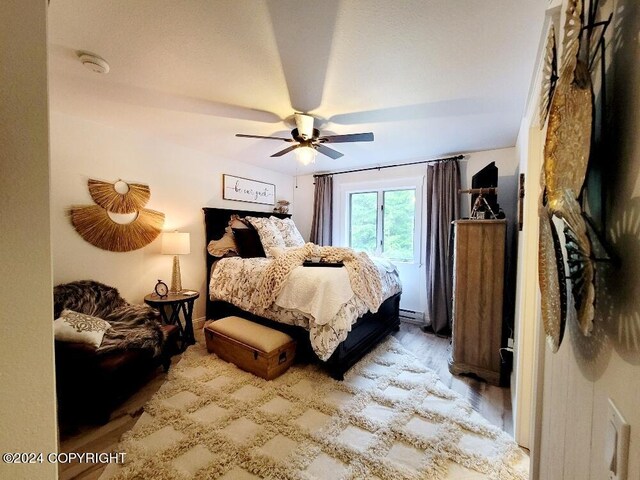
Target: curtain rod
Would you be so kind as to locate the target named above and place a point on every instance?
(446, 159)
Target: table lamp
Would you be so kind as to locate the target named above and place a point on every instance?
(175, 243)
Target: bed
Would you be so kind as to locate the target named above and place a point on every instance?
(366, 332)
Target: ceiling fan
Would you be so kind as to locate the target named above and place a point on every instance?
(309, 139)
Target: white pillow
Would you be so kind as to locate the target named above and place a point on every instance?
(289, 232)
(269, 234)
(80, 328)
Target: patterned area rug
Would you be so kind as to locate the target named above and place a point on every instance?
(390, 419)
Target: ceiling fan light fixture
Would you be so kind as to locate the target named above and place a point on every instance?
(304, 123)
(306, 155)
(307, 141)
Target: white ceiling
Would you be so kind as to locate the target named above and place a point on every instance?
(427, 77)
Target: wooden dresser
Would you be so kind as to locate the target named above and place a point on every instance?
(478, 281)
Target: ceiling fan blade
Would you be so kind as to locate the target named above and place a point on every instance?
(286, 150)
(351, 137)
(243, 135)
(329, 152)
(299, 35)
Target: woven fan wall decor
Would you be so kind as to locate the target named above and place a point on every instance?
(106, 195)
(94, 224)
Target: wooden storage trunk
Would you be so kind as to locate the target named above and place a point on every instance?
(261, 350)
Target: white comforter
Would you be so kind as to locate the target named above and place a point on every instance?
(318, 299)
(316, 292)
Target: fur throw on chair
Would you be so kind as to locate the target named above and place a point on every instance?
(132, 326)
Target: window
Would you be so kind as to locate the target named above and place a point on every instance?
(363, 231)
(382, 223)
(398, 224)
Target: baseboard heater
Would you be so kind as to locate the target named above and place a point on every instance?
(411, 316)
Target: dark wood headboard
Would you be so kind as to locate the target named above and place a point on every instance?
(216, 220)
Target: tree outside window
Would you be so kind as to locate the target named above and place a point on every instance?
(390, 234)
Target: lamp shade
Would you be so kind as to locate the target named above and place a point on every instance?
(175, 243)
(305, 155)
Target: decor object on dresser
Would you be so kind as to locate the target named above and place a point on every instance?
(246, 190)
(93, 376)
(261, 350)
(391, 418)
(344, 338)
(485, 182)
(175, 243)
(170, 308)
(96, 224)
(481, 209)
(478, 284)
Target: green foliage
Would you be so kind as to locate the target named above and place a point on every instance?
(397, 223)
(399, 214)
(364, 217)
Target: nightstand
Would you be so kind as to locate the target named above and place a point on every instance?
(170, 308)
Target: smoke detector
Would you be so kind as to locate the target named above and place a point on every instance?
(93, 62)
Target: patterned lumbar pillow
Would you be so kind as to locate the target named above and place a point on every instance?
(80, 328)
(289, 231)
(269, 234)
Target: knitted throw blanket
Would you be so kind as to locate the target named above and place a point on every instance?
(363, 274)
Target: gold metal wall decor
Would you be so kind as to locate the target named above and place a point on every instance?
(549, 75)
(94, 224)
(566, 155)
(553, 301)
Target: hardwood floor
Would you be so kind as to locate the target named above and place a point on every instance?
(494, 403)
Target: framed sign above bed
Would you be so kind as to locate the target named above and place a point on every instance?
(246, 190)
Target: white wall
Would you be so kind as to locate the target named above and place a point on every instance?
(27, 401)
(182, 181)
(303, 199)
(527, 298)
(414, 279)
(579, 379)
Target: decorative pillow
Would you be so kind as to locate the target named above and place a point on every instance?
(223, 246)
(235, 221)
(289, 232)
(248, 242)
(269, 234)
(80, 328)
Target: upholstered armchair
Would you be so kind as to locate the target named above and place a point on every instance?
(100, 364)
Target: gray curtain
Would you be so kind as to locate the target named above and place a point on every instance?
(443, 206)
(322, 225)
